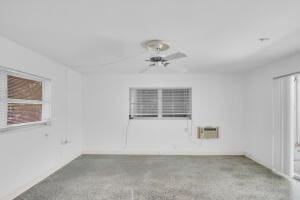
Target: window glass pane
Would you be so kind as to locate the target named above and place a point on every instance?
(144, 103)
(161, 103)
(23, 113)
(176, 103)
(20, 88)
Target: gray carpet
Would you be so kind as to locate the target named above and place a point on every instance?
(104, 177)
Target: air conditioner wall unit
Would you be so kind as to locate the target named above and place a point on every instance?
(208, 132)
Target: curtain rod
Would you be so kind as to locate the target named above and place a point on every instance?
(282, 76)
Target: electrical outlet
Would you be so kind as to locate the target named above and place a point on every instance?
(64, 142)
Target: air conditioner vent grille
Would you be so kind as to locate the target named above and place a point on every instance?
(208, 132)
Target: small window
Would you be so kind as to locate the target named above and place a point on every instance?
(24, 99)
(173, 103)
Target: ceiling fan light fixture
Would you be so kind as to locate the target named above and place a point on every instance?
(161, 61)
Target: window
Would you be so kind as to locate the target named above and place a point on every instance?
(160, 103)
(24, 99)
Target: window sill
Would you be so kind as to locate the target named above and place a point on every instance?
(25, 125)
(160, 118)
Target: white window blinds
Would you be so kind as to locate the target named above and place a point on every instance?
(160, 103)
(143, 103)
(176, 103)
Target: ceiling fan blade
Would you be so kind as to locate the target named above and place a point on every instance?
(144, 70)
(177, 69)
(151, 65)
(175, 56)
(116, 61)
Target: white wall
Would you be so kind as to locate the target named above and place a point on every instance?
(217, 101)
(258, 107)
(27, 154)
(240, 105)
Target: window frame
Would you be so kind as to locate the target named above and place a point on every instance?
(160, 102)
(4, 100)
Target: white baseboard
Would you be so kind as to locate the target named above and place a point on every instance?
(250, 156)
(36, 180)
(296, 176)
(157, 152)
(268, 166)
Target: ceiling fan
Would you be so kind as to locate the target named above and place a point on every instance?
(155, 61)
(161, 61)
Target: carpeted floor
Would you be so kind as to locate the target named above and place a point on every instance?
(111, 177)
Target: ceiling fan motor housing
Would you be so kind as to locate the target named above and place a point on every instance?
(158, 46)
(157, 59)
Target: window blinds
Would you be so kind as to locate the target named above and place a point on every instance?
(24, 99)
(143, 103)
(28, 107)
(176, 103)
(160, 103)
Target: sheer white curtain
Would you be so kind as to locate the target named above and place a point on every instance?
(283, 124)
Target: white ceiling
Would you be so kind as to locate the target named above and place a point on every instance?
(217, 35)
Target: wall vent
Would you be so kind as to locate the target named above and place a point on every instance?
(208, 132)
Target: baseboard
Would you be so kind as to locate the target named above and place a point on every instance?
(268, 166)
(158, 152)
(36, 180)
(250, 156)
(297, 177)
